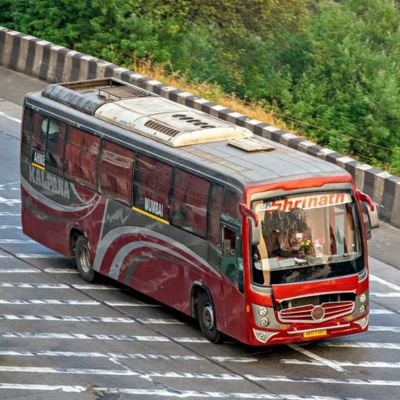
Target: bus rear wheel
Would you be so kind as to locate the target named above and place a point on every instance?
(207, 320)
(82, 257)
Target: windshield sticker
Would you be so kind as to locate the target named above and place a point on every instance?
(305, 202)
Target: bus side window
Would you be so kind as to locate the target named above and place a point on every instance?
(214, 216)
(152, 185)
(81, 152)
(39, 136)
(189, 203)
(116, 164)
(27, 128)
(55, 143)
(230, 209)
(231, 259)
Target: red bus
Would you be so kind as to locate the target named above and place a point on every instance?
(256, 240)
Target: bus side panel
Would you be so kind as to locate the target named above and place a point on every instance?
(157, 259)
(52, 206)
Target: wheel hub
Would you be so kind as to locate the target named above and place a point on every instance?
(208, 317)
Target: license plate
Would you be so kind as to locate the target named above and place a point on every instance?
(321, 332)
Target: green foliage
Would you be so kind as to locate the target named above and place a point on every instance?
(330, 66)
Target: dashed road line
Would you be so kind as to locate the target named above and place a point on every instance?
(73, 318)
(124, 356)
(390, 285)
(361, 345)
(56, 286)
(375, 328)
(194, 375)
(389, 294)
(4, 115)
(9, 214)
(362, 364)
(84, 336)
(310, 354)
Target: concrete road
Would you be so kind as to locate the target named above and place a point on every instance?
(63, 339)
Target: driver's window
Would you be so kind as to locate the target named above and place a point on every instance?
(231, 257)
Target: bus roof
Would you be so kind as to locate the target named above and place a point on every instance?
(134, 117)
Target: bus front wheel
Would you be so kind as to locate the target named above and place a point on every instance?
(207, 320)
(82, 257)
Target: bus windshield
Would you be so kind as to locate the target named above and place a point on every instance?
(306, 238)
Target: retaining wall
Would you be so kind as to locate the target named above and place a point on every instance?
(52, 63)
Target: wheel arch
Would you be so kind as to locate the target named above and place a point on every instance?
(74, 233)
(196, 290)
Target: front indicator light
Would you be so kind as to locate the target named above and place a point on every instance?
(260, 336)
(363, 322)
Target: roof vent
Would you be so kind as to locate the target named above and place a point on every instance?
(190, 120)
(251, 144)
(161, 128)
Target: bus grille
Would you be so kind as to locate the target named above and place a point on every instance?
(316, 313)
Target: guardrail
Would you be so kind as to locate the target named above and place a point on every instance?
(53, 63)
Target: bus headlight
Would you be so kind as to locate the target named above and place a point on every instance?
(264, 322)
(362, 309)
(363, 298)
(262, 311)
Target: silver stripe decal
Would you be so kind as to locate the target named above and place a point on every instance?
(54, 205)
(124, 251)
(114, 234)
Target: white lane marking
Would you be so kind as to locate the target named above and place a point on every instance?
(9, 202)
(65, 318)
(76, 318)
(9, 214)
(122, 372)
(50, 301)
(381, 312)
(96, 287)
(61, 271)
(328, 363)
(9, 184)
(19, 271)
(42, 255)
(3, 227)
(27, 256)
(362, 364)
(84, 336)
(130, 304)
(25, 285)
(124, 356)
(75, 302)
(193, 375)
(375, 328)
(361, 345)
(16, 241)
(390, 285)
(391, 294)
(4, 115)
(358, 382)
(152, 393)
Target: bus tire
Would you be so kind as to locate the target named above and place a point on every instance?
(207, 320)
(82, 257)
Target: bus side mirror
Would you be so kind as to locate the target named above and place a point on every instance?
(255, 232)
(370, 212)
(254, 223)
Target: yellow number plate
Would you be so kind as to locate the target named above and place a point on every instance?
(321, 332)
